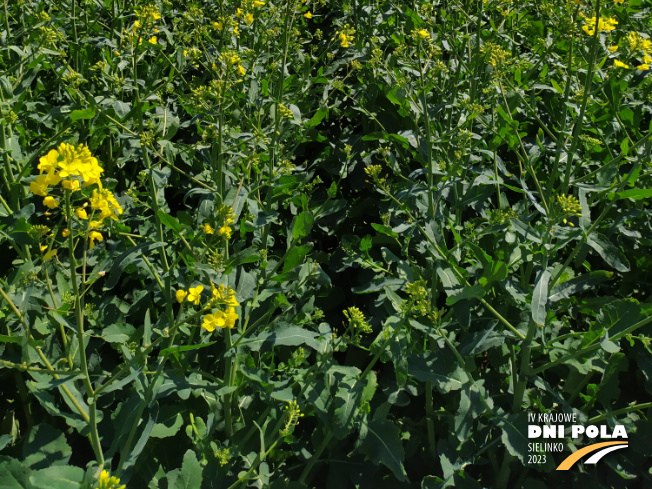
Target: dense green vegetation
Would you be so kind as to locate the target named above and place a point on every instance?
(323, 243)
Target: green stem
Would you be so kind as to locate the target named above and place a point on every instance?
(315, 457)
(587, 89)
(79, 320)
(521, 382)
(628, 409)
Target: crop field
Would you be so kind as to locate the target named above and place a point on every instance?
(296, 244)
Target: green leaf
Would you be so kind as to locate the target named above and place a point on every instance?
(286, 335)
(578, 284)
(474, 402)
(294, 258)
(173, 350)
(608, 389)
(13, 474)
(609, 252)
(118, 332)
(540, 297)
(302, 225)
(379, 440)
(347, 403)
(125, 259)
(88, 113)
(514, 434)
(170, 222)
(634, 193)
(441, 368)
(10, 339)
(63, 477)
(475, 291)
(190, 476)
(46, 446)
(381, 228)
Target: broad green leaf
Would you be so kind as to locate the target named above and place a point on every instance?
(88, 113)
(125, 259)
(381, 228)
(302, 225)
(514, 434)
(347, 403)
(168, 221)
(475, 291)
(14, 475)
(634, 193)
(609, 252)
(286, 335)
(540, 297)
(441, 368)
(474, 402)
(379, 440)
(61, 477)
(190, 476)
(609, 389)
(578, 284)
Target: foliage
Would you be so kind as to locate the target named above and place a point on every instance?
(322, 243)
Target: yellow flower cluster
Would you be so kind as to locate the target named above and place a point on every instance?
(638, 43)
(604, 24)
(147, 16)
(74, 165)
(345, 36)
(74, 168)
(222, 298)
(569, 206)
(108, 482)
(231, 58)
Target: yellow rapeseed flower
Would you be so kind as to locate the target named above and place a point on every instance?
(643, 67)
(308, 15)
(51, 202)
(81, 214)
(108, 482)
(225, 231)
(208, 229)
(620, 64)
(95, 236)
(181, 295)
(104, 201)
(423, 34)
(194, 294)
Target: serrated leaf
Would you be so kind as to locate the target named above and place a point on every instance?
(13, 474)
(540, 297)
(46, 446)
(379, 440)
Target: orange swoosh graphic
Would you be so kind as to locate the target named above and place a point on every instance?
(571, 459)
